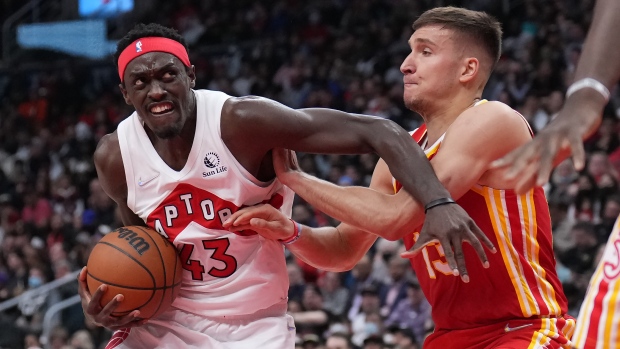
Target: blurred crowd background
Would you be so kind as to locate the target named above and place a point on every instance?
(342, 54)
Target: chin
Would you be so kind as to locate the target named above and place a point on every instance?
(168, 133)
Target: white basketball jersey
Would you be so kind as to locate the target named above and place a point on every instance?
(224, 274)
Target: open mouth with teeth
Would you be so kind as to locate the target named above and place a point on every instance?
(161, 108)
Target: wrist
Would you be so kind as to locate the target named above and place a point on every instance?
(297, 228)
(438, 202)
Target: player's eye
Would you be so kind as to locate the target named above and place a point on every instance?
(426, 52)
(169, 75)
(138, 82)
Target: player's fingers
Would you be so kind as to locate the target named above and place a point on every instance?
(579, 155)
(475, 243)
(83, 290)
(527, 180)
(128, 320)
(423, 240)
(449, 254)
(520, 158)
(109, 308)
(94, 305)
(241, 227)
(459, 256)
(545, 164)
(244, 215)
(270, 225)
(482, 237)
(293, 159)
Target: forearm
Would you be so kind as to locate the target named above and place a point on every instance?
(363, 208)
(600, 57)
(407, 163)
(327, 248)
(600, 60)
(406, 160)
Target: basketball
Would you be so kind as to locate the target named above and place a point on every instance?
(138, 263)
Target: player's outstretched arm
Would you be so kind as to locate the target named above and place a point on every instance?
(582, 112)
(264, 124)
(327, 248)
(465, 155)
(111, 173)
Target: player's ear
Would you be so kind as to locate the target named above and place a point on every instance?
(124, 92)
(470, 69)
(191, 73)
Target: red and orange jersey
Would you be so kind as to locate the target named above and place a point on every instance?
(521, 282)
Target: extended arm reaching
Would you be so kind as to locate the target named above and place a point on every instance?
(582, 112)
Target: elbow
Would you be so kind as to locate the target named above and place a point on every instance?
(389, 227)
(386, 133)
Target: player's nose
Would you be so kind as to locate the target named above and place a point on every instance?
(156, 91)
(408, 66)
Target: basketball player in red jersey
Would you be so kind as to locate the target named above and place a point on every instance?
(598, 325)
(187, 159)
(517, 302)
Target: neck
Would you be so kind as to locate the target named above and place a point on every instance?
(438, 121)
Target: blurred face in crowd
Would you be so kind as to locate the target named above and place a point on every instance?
(312, 300)
(398, 267)
(363, 268)
(415, 294)
(597, 165)
(336, 343)
(295, 275)
(431, 69)
(159, 86)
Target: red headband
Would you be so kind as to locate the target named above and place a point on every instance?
(151, 44)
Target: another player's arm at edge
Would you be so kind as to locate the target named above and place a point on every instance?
(475, 139)
(111, 174)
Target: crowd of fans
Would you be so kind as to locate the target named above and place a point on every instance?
(329, 53)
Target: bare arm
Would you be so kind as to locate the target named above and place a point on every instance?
(261, 125)
(264, 124)
(327, 248)
(582, 112)
(476, 138)
(111, 174)
(461, 163)
(109, 165)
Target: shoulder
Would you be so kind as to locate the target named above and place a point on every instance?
(106, 148)
(492, 114)
(109, 164)
(244, 108)
(491, 123)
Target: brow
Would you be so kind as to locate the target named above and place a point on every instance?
(139, 72)
(423, 41)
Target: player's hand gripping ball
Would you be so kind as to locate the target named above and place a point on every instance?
(138, 263)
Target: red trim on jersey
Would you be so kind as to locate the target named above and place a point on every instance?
(118, 337)
(187, 204)
(597, 312)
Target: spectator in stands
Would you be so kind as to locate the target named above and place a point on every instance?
(413, 312)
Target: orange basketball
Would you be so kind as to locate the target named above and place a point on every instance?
(138, 263)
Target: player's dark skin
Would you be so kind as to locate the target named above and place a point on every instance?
(250, 128)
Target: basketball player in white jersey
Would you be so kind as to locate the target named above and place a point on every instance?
(187, 159)
(598, 70)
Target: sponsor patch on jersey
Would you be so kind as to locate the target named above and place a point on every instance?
(212, 163)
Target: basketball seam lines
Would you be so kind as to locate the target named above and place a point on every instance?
(140, 264)
(134, 288)
(163, 265)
